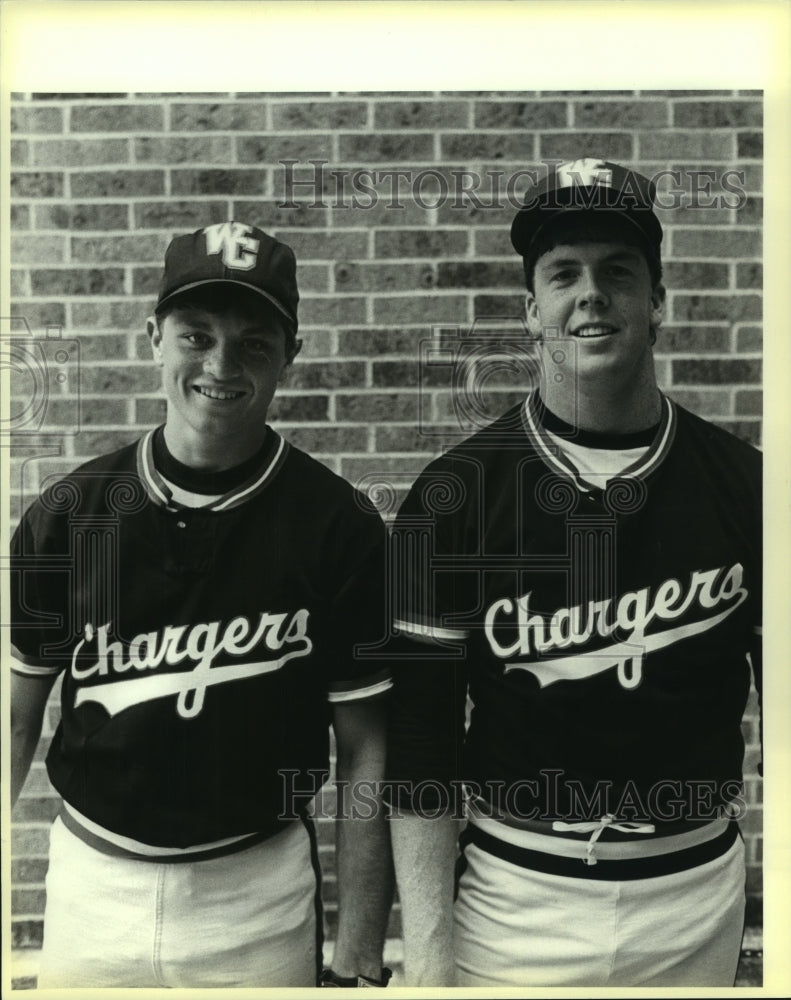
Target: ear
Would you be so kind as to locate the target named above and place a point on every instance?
(658, 305)
(295, 352)
(533, 316)
(155, 336)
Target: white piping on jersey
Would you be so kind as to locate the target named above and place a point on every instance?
(20, 666)
(358, 693)
(155, 483)
(137, 846)
(597, 827)
(559, 461)
(427, 632)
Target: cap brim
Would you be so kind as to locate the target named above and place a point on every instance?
(523, 242)
(228, 281)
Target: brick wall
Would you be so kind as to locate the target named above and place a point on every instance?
(101, 182)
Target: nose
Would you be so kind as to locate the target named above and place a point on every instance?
(592, 291)
(222, 361)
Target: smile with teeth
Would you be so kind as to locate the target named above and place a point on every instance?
(217, 393)
(594, 330)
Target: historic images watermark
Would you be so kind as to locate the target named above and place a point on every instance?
(318, 184)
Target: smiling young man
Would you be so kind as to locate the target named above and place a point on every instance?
(200, 593)
(592, 591)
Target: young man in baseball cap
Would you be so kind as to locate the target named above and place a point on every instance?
(596, 591)
(211, 584)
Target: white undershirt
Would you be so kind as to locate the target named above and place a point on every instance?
(597, 465)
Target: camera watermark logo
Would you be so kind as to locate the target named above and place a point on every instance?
(43, 380)
(465, 375)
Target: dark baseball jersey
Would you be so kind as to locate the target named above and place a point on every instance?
(602, 633)
(200, 647)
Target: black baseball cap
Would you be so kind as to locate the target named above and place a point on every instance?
(588, 185)
(232, 253)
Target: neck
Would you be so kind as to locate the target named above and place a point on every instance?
(604, 412)
(211, 454)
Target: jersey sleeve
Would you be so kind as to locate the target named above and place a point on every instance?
(39, 588)
(357, 617)
(426, 727)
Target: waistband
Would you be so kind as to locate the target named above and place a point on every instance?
(642, 857)
(109, 842)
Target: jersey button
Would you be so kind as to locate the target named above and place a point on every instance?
(181, 524)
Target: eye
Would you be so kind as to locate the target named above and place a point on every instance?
(562, 277)
(257, 346)
(199, 341)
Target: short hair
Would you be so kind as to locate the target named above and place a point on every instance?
(223, 299)
(589, 227)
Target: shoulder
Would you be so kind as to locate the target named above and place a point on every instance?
(702, 434)
(102, 481)
(310, 484)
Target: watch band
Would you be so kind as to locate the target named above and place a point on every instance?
(330, 978)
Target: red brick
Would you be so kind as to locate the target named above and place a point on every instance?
(38, 249)
(269, 215)
(749, 275)
(145, 280)
(492, 114)
(124, 183)
(120, 379)
(716, 242)
(20, 153)
(28, 869)
(325, 245)
(24, 901)
(383, 277)
(36, 120)
(292, 408)
(80, 152)
(82, 218)
(704, 402)
(19, 284)
(150, 412)
(117, 118)
(421, 243)
(717, 307)
(620, 114)
(319, 115)
(571, 145)
(327, 439)
(376, 408)
(749, 339)
(77, 281)
(499, 306)
(749, 403)
(110, 315)
(36, 184)
(363, 149)
(40, 314)
(39, 809)
(466, 146)
(327, 375)
(183, 149)
(420, 114)
(750, 145)
(29, 842)
(732, 371)
(751, 212)
(216, 181)
(423, 311)
(180, 216)
(91, 411)
(695, 274)
(693, 143)
(331, 311)
(378, 342)
(266, 150)
(692, 339)
(473, 274)
(117, 249)
(219, 117)
(717, 114)
(494, 243)
(20, 217)
(27, 933)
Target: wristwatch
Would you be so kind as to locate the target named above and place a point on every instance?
(330, 978)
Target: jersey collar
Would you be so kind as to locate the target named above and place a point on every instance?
(160, 493)
(561, 464)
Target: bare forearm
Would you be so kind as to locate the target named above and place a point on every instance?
(365, 894)
(424, 852)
